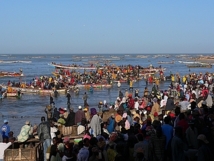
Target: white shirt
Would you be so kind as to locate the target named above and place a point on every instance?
(3, 146)
(136, 105)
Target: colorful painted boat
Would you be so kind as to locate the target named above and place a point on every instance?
(93, 85)
(199, 66)
(34, 90)
(11, 74)
(72, 67)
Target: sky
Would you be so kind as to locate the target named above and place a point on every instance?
(106, 26)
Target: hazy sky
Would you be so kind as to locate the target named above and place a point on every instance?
(106, 26)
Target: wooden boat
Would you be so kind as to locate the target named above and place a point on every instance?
(10, 74)
(199, 66)
(35, 90)
(72, 67)
(165, 62)
(93, 85)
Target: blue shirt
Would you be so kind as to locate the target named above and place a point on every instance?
(168, 132)
(5, 129)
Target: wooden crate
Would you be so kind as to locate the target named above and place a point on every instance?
(24, 154)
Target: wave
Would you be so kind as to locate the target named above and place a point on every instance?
(15, 61)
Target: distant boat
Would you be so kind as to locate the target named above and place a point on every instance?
(199, 65)
(188, 62)
(163, 62)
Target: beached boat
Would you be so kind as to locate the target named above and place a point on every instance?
(72, 67)
(199, 66)
(11, 74)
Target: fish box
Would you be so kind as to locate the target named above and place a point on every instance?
(24, 154)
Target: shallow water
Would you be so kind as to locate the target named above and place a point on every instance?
(31, 106)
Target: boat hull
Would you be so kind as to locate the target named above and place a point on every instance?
(93, 85)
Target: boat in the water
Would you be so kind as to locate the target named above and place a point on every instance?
(72, 66)
(34, 90)
(188, 62)
(201, 65)
(93, 85)
(10, 74)
(166, 62)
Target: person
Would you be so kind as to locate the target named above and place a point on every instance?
(138, 148)
(204, 152)
(48, 111)
(83, 154)
(25, 132)
(85, 97)
(68, 150)
(111, 123)
(178, 146)
(70, 121)
(51, 100)
(53, 150)
(167, 130)
(95, 123)
(79, 116)
(5, 129)
(68, 98)
(43, 131)
(61, 120)
(131, 85)
(157, 144)
(56, 114)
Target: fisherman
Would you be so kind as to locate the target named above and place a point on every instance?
(51, 100)
(44, 135)
(68, 98)
(5, 129)
(85, 97)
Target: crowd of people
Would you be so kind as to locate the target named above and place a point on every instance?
(176, 124)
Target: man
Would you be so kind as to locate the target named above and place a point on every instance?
(44, 134)
(68, 98)
(178, 146)
(85, 97)
(79, 116)
(70, 121)
(84, 152)
(48, 111)
(5, 129)
(25, 132)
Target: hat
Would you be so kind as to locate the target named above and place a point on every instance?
(155, 99)
(85, 109)
(80, 107)
(65, 109)
(93, 111)
(148, 108)
(27, 122)
(5, 121)
(202, 138)
(118, 118)
(100, 102)
(66, 139)
(155, 114)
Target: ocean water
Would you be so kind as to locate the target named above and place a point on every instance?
(31, 106)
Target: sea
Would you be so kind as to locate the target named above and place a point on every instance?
(31, 106)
